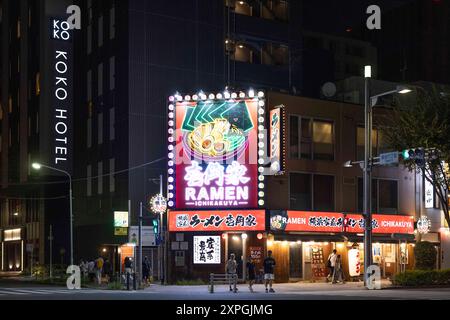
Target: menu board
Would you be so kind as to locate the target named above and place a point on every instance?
(318, 263)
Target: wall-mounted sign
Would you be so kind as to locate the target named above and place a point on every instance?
(256, 254)
(429, 194)
(121, 219)
(333, 222)
(207, 249)
(61, 93)
(12, 235)
(423, 225)
(214, 151)
(275, 135)
(220, 220)
(120, 231)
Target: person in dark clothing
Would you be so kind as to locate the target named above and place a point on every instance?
(145, 270)
(107, 270)
(269, 265)
(251, 273)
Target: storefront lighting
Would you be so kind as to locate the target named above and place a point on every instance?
(261, 153)
(170, 179)
(170, 163)
(251, 93)
(104, 250)
(202, 96)
(261, 111)
(171, 115)
(244, 236)
(234, 95)
(170, 139)
(261, 128)
(171, 107)
(261, 136)
(170, 187)
(242, 95)
(269, 243)
(260, 94)
(260, 119)
(261, 202)
(170, 203)
(261, 178)
(226, 95)
(259, 236)
(170, 132)
(261, 170)
(170, 155)
(179, 98)
(171, 123)
(235, 238)
(219, 96)
(261, 194)
(211, 96)
(170, 171)
(170, 195)
(187, 98)
(261, 103)
(195, 97)
(224, 236)
(299, 242)
(261, 145)
(285, 243)
(171, 98)
(261, 186)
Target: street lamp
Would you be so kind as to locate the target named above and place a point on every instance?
(369, 103)
(38, 166)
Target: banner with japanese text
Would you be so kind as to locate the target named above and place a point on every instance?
(234, 220)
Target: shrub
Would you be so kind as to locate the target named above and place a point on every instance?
(425, 254)
(422, 278)
(115, 286)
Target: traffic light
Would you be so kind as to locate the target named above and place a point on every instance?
(156, 226)
(417, 155)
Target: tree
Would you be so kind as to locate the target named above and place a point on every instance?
(424, 124)
(425, 254)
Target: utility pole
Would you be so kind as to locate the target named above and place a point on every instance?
(367, 175)
(161, 244)
(50, 239)
(140, 244)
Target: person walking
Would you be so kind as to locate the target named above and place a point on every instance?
(145, 270)
(83, 268)
(251, 273)
(128, 264)
(269, 266)
(331, 261)
(231, 269)
(98, 269)
(91, 270)
(338, 274)
(107, 271)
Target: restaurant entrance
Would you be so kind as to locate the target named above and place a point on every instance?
(295, 261)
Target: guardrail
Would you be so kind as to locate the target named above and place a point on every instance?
(215, 278)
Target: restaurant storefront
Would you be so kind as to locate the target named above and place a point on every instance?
(302, 241)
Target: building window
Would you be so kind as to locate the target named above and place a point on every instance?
(112, 123)
(384, 196)
(100, 79)
(112, 169)
(274, 54)
(100, 128)
(112, 73)
(379, 144)
(311, 192)
(100, 178)
(89, 181)
(311, 139)
(243, 53)
(89, 133)
(100, 31)
(112, 22)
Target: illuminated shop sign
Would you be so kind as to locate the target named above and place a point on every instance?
(61, 84)
(216, 151)
(206, 250)
(334, 222)
(276, 136)
(233, 220)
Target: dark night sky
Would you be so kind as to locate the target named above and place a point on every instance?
(334, 16)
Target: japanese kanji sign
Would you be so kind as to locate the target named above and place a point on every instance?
(215, 154)
(334, 222)
(206, 249)
(233, 220)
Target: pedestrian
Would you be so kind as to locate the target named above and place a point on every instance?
(331, 261)
(98, 269)
(91, 270)
(107, 270)
(338, 274)
(269, 266)
(231, 269)
(83, 268)
(251, 273)
(128, 265)
(145, 270)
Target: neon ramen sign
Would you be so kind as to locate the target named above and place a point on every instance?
(216, 185)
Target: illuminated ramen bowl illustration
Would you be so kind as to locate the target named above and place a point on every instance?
(215, 140)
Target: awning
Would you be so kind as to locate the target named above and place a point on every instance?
(322, 237)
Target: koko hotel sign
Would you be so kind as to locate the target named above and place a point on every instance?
(61, 93)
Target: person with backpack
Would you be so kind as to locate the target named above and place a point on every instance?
(331, 261)
(251, 273)
(231, 269)
(98, 269)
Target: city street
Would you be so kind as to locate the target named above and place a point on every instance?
(293, 291)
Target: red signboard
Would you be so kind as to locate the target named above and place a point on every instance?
(226, 220)
(305, 221)
(216, 154)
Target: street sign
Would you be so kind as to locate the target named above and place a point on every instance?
(148, 236)
(388, 158)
